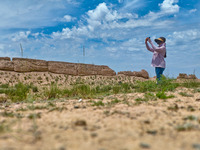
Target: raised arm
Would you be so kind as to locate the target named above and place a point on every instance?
(157, 49)
(148, 47)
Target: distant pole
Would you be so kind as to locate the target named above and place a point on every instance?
(21, 50)
(83, 50)
(83, 54)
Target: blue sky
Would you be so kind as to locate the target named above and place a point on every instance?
(112, 31)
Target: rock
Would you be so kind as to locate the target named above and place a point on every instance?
(76, 107)
(6, 64)
(147, 122)
(152, 132)
(93, 135)
(80, 123)
(29, 65)
(196, 146)
(144, 145)
(198, 99)
(62, 148)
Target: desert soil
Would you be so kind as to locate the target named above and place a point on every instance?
(73, 124)
(172, 124)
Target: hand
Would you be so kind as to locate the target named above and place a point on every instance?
(146, 39)
(149, 39)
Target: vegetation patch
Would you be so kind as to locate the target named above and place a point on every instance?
(185, 94)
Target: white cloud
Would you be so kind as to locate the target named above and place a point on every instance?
(21, 36)
(103, 22)
(68, 18)
(169, 6)
(193, 11)
(184, 37)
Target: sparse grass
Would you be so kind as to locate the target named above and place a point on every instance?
(185, 94)
(173, 107)
(113, 102)
(33, 107)
(50, 104)
(147, 97)
(190, 108)
(4, 128)
(166, 84)
(191, 118)
(60, 109)
(4, 86)
(34, 116)
(18, 92)
(190, 84)
(53, 92)
(8, 114)
(98, 103)
(116, 89)
(22, 109)
(186, 127)
(162, 95)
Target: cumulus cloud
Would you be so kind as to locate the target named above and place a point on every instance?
(68, 18)
(187, 36)
(103, 22)
(169, 6)
(21, 36)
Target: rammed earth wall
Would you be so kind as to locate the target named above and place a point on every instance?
(34, 65)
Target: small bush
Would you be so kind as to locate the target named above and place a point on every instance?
(116, 89)
(162, 95)
(145, 86)
(53, 92)
(166, 84)
(81, 90)
(4, 86)
(18, 92)
(34, 89)
(39, 78)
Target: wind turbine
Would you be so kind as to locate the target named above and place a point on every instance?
(21, 50)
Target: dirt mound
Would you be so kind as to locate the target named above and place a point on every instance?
(185, 76)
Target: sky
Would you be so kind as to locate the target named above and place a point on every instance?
(112, 32)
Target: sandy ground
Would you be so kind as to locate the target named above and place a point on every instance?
(172, 124)
(121, 124)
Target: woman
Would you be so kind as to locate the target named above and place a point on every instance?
(159, 53)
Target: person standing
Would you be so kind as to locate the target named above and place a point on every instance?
(159, 55)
